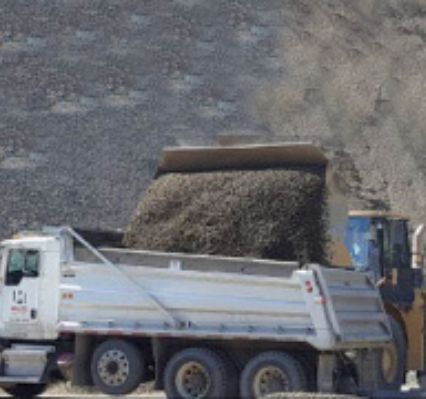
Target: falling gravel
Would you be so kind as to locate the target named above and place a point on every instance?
(274, 214)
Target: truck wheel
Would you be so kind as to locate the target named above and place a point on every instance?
(309, 366)
(25, 390)
(117, 367)
(197, 373)
(233, 376)
(272, 372)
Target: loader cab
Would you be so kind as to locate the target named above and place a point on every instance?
(378, 243)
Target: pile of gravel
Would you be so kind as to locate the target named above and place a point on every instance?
(273, 214)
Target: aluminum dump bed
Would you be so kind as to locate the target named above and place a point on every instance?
(165, 294)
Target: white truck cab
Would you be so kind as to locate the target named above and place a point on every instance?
(29, 280)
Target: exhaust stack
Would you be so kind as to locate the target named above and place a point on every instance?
(417, 249)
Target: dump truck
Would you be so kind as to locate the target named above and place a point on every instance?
(202, 326)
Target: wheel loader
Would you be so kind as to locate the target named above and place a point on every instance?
(378, 243)
(373, 241)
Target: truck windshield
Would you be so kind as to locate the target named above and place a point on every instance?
(357, 240)
(22, 263)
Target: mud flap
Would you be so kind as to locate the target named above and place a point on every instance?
(327, 363)
(81, 367)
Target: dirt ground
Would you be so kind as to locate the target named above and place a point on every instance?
(61, 390)
(145, 392)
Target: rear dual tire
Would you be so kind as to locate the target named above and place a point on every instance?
(201, 373)
(272, 372)
(196, 373)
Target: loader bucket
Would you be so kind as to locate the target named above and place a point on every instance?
(240, 157)
(267, 156)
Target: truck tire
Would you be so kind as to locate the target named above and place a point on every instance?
(117, 367)
(197, 373)
(388, 364)
(25, 390)
(233, 376)
(309, 366)
(272, 372)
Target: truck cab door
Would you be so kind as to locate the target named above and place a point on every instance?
(20, 293)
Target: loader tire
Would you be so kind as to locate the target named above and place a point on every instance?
(384, 369)
(393, 359)
(272, 372)
(197, 373)
(117, 367)
(25, 391)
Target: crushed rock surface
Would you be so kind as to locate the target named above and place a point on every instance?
(91, 92)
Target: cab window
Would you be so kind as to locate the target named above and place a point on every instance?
(400, 249)
(357, 241)
(22, 263)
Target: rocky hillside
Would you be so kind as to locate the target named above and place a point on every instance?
(91, 91)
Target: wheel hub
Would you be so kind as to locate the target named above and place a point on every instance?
(193, 381)
(270, 379)
(113, 367)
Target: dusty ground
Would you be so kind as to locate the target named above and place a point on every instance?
(64, 390)
(91, 91)
(160, 395)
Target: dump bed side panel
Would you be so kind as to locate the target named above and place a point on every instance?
(176, 298)
(202, 302)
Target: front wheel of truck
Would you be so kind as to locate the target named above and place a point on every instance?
(25, 390)
(117, 367)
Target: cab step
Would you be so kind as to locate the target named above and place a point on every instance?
(25, 363)
(19, 380)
